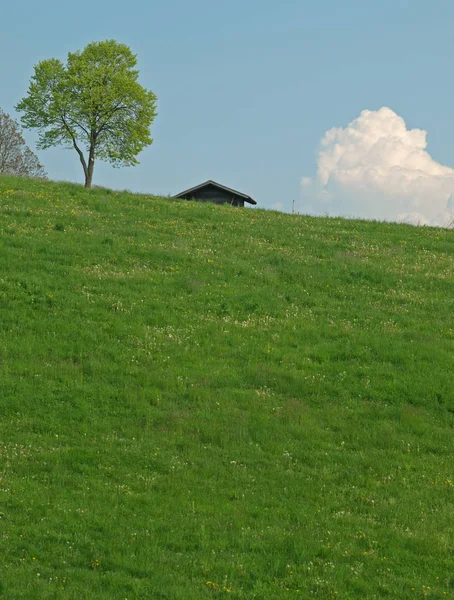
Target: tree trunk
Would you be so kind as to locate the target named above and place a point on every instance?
(88, 169)
(89, 174)
(91, 166)
(83, 163)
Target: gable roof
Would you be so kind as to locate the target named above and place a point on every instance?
(221, 187)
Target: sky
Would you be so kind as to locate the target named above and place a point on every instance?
(345, 107)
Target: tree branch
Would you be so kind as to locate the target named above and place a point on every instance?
(76, 147)
(78, 125)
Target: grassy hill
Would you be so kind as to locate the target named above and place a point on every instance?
(206, 402)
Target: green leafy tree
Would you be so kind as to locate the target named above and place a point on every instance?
(16, 158)
(93, 104)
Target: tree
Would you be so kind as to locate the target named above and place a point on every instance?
(93, 104)
(16, 158)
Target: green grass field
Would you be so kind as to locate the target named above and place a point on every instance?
(203, 402)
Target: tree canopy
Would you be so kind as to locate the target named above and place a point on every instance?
(16, 158)
(93, 104)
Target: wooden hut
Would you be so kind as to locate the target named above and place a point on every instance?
(210, 191)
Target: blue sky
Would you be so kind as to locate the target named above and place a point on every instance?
(247, 88)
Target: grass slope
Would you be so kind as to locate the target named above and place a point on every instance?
(205, 402)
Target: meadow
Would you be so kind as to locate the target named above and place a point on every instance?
(199, 401)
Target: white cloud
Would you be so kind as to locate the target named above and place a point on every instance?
(377, 168)
(412, 218)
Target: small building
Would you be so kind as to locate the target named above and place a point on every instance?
(210, 191)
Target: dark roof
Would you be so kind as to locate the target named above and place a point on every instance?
(221, 187)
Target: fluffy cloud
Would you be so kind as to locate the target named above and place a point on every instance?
(377, 168)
